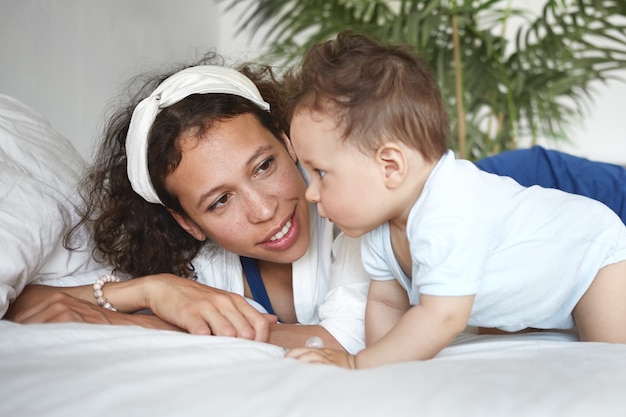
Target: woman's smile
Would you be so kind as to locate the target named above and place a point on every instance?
(282, 232)
(285, 237)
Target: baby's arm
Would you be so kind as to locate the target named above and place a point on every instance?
(422, 332)
(387, 301)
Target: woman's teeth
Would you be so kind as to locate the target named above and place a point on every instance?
(282, 232)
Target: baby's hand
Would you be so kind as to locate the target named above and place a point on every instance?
(324, 356)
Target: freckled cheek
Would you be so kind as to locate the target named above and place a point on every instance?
(231, 236)
(290, 184)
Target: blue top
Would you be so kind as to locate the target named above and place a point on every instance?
(553, 169)
(257, 288)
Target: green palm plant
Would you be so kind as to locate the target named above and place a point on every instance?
(537, 83)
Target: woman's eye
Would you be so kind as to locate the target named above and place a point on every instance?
(320, 173)
(265, 165)
(219, 202)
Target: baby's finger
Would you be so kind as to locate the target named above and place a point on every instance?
(294, 353)
(309, 356)
(297, 352)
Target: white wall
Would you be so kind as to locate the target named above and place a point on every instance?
(70, 58)
(602, 134)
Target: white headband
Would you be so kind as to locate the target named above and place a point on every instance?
(194, 80)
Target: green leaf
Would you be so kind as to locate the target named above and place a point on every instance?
(537, 83)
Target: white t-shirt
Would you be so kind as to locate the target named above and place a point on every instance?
(527, 254)
(329, 282)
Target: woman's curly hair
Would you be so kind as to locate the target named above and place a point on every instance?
(134, 236)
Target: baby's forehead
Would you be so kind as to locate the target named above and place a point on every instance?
(328, 116)
(308, 123)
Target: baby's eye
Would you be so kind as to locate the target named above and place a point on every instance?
(219, 202)
(320, 172)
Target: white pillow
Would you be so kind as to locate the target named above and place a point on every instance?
(39, 170)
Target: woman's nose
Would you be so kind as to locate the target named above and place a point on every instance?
(261, 206)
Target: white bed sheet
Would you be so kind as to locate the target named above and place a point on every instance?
(74, 369)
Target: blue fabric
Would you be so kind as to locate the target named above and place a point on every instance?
(553, 169)
(253, 276)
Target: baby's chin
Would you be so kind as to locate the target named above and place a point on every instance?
(350, 232)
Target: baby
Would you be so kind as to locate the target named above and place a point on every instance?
(446, 245)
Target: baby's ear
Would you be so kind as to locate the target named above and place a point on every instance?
(188, 225)
(392, 162)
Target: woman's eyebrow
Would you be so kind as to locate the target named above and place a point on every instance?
(260, 151)
(205, 196)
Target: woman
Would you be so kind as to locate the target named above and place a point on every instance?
(198, 180)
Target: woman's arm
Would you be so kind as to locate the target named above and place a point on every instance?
(57, 306)
(43, 304)
(182, 303)
(292, 336)
(386, 303)
(341, 322)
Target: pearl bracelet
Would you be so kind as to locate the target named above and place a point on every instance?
(99, 294)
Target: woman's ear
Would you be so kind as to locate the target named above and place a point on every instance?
(188, 225)
(289, 147)
(393, 165)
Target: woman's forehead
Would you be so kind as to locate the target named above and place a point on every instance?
(239, 137)
(223, 154)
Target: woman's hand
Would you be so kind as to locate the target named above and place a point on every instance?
(201, 309)
(178, 303)
(60, 307)
(323, 356)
